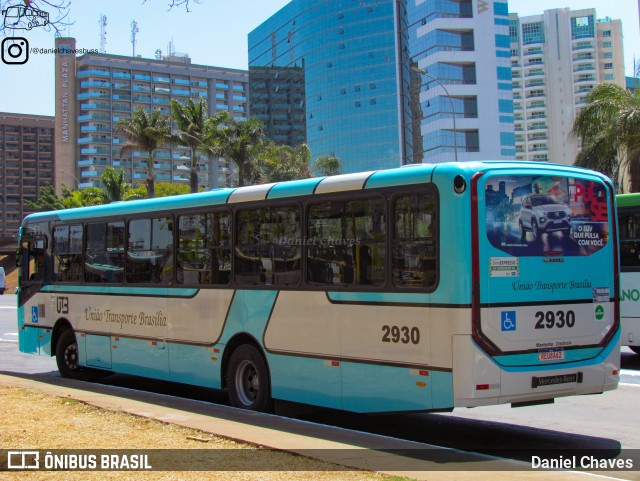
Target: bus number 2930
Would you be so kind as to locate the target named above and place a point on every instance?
(402, 334)
(550, 319)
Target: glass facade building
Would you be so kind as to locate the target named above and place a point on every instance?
(343, 55)
(378, 82)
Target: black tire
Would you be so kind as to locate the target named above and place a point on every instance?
(635, 349)
(67, 356)
(535, 232)
(523, 233)
(248, 380)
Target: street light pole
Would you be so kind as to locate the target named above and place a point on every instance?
(453, 110)
(71, 175)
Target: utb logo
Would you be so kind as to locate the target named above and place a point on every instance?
(599, 313)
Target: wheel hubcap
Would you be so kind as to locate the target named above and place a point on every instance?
(248, 382)
(71, 356)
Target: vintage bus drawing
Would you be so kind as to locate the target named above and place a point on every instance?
(22, 17)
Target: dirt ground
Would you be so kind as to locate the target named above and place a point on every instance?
(32, 420)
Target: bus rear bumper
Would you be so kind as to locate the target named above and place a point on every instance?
(479, 381)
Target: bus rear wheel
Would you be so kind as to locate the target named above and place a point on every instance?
(67, 356)
(248, 380)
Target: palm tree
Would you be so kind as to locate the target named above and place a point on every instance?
(115, 187)
(83, 198)
(238, 140)
(145, 132)
(191, 120)
(283, 162)
(211, 133)
(609, 126)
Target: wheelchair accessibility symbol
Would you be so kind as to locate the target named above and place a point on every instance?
(508, 320)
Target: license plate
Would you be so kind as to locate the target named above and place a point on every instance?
(551, 355)
(557, 379)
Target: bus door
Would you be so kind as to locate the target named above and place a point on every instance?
(30, 260)
(545, 261)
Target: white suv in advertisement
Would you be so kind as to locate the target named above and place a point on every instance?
(542, 213)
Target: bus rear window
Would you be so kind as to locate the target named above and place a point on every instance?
(546, 215)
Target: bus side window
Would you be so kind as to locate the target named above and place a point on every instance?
(252, 247)
(104, 252)
(327, 260)
(414, 241)
(267, 248)
(150, 251)
(366, 233)
(67, 253)
(221, 248)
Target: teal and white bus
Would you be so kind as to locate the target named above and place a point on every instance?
(421, 288)
(629, 224)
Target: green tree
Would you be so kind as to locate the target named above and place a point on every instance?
(115, 187)
(46, 200)
(166, 189)
(280, 163)
(191, 120)
(327, 165)
(139, 192)
(145, 132)
(609, 127)
(83, 198)
(241, 141)
(283, 162)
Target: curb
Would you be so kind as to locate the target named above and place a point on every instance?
(629, 377)
(352, 449)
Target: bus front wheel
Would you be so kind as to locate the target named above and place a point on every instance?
(248, 380)
(67, 356)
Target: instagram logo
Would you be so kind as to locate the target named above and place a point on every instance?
(15, 50)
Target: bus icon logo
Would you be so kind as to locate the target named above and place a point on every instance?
(23, 460)
(508, 321)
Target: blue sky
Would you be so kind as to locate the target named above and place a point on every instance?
(214, 32)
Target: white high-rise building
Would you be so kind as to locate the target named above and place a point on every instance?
(95, 91)
(557, 58)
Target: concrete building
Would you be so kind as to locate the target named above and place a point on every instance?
(557, 58)
(26, 165)
(95, 91)
(375, 82)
